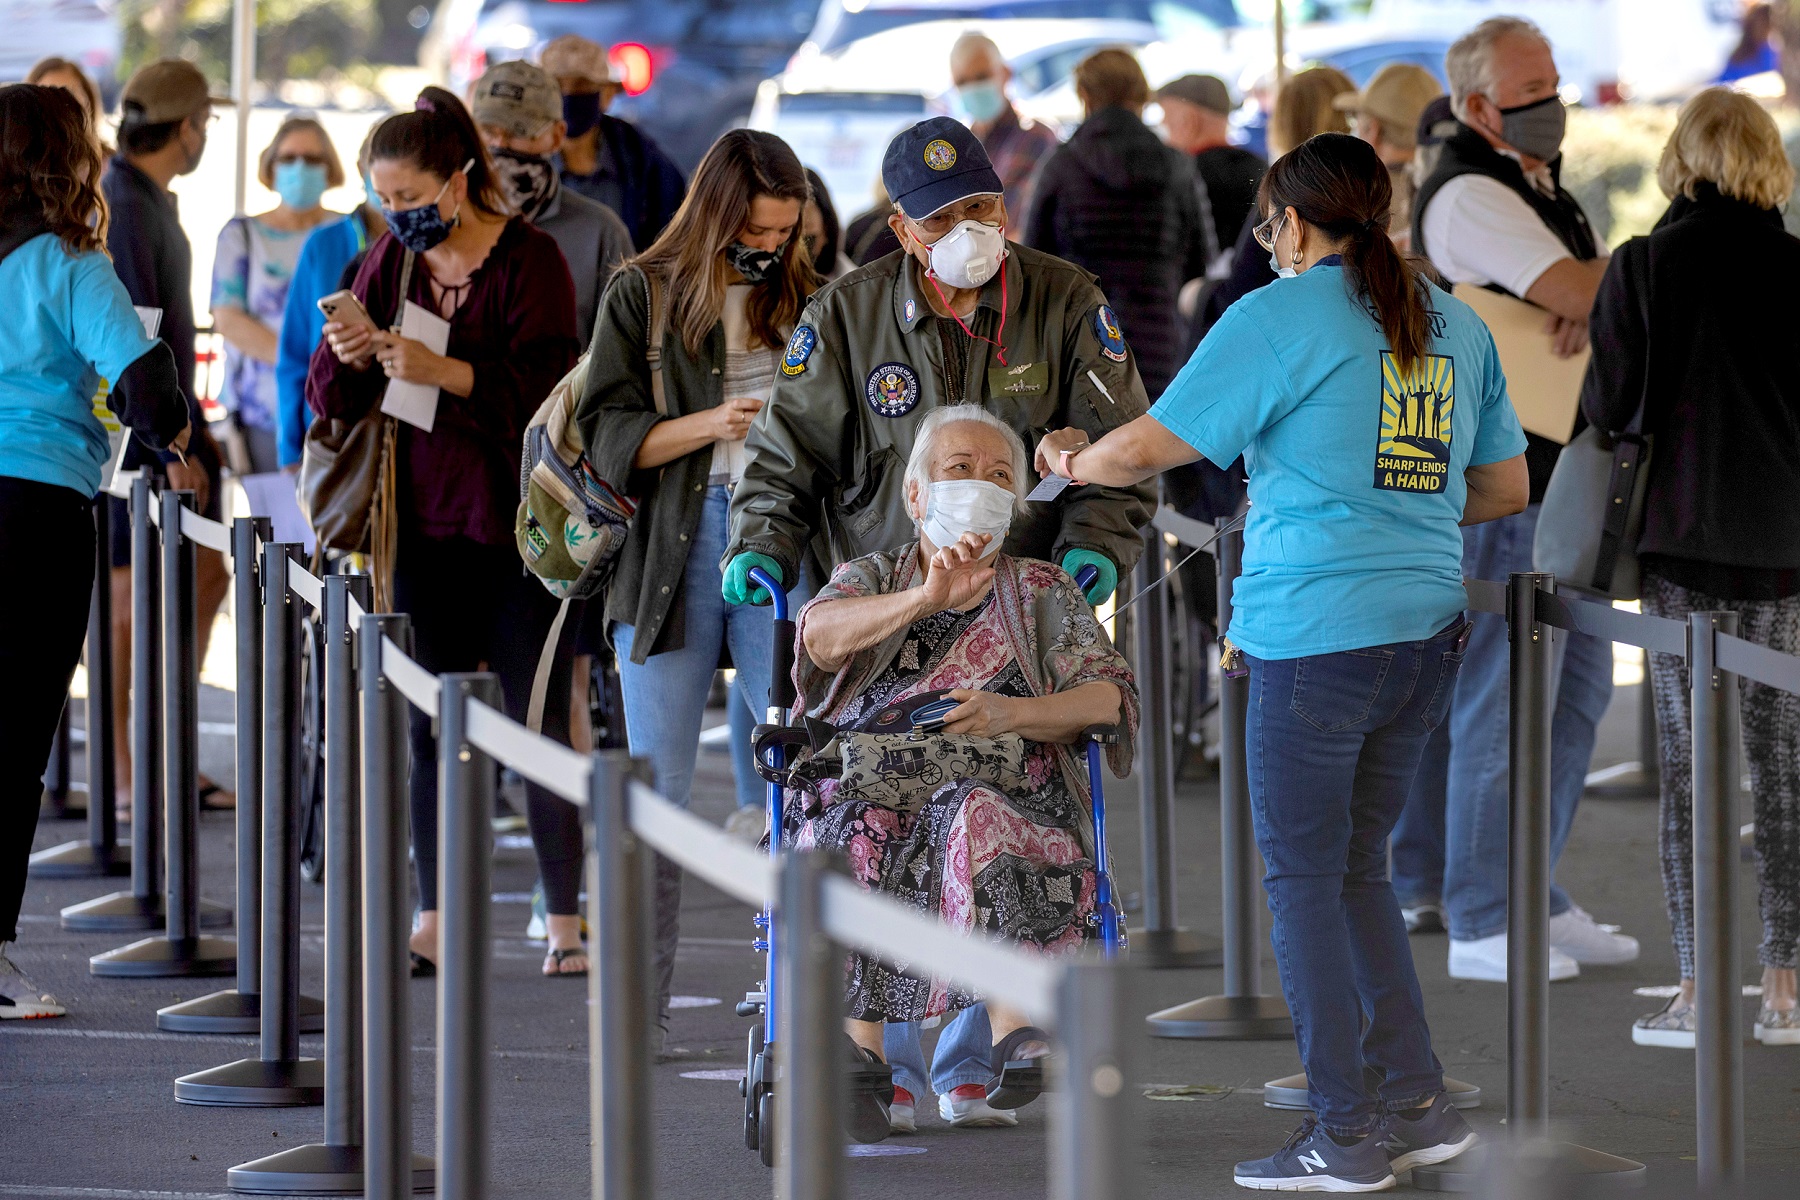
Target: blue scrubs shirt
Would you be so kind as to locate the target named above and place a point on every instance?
(1356, 470)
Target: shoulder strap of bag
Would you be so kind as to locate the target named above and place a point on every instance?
(659, 324)
(1630, 459)
(406, 270)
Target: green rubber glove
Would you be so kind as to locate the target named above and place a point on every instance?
(737, 589)
(1103, 584)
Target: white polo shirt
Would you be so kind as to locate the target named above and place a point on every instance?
(1479, 231)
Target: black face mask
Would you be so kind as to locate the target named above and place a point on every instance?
(528, 180)
(581, 111)
(753, 264)
(1535, 129)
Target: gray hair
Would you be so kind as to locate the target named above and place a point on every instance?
(969, 43)
(1469, 63)
(918, 466)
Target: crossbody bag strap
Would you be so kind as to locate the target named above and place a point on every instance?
(659, 324)
(406, 272)
(1629, 460)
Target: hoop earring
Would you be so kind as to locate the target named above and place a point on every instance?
(1297, 257)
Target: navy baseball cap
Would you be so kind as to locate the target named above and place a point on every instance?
(934, 163)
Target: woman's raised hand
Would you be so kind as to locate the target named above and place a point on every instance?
(1050, 451)
(957, 576)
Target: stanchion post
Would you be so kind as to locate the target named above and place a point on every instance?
(334, 1166)
(391, 1169)
(619, 1011)
(238, 1009)
(809, 1140)
(278, 1077)
(1528, 921)
(1161, 942)
(182, 951)
(100, 855)
(1242, 1012)
(1719, 1037)
(1091, 1134)
(465, 834)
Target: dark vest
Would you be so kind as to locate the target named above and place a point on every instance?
(1468, 153)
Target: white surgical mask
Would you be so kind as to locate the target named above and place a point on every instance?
(1281, 272)
(954, 507)
(969, 255)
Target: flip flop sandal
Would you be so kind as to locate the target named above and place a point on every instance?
(871, 1094)
(1017, 1081)
(422, 967)
(558, 957)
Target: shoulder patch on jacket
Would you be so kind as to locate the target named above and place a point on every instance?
(1106, 328)
(799, 349)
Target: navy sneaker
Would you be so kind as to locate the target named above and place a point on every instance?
(1313, 1161)
(1427, 1135)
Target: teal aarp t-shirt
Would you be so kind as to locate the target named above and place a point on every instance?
(68, 324)
(1356, 469)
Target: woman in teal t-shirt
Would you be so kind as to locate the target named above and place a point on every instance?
(1372, 415)
(68, 324)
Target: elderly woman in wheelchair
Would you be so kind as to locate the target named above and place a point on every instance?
(959, 685)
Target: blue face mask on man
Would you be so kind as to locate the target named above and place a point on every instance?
(982, 100)
(300, 184)
(420, 229)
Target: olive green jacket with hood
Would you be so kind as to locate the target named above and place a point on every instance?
(827, 455)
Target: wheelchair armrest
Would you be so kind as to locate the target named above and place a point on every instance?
(1104, 735)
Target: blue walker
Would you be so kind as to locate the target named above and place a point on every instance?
(772, 741)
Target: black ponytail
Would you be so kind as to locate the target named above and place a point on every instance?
(439, 137)
(1340, 187)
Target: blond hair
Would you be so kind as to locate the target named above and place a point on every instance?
(1726, 139)
(1304, 107)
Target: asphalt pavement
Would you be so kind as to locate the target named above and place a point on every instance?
(88, 1111)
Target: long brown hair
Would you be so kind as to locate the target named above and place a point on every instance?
(50, 166)
(1341, 188)
(742, 165)
(1306, 106)
(438, 137)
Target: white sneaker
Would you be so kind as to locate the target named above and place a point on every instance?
(22, 1000)
(972, 1111)
(1585, 940)
(1426, 918)
(1484, 959)
(902, 1116)
(747, 824)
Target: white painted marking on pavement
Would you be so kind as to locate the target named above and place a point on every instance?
(731, 1075)
(1665, 990)
(17, 1189)
(882, 1151)
(693, 1001)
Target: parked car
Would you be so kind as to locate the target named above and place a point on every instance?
(82, 31)
(705, 57)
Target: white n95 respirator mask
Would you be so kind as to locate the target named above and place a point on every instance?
(954, 507)
(969, 255)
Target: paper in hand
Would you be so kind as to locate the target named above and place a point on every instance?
(1051, 487)
(416, 403)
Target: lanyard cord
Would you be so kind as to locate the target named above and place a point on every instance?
(1234, 523)
(999, 350)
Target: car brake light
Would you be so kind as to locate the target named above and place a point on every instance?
(634, 66)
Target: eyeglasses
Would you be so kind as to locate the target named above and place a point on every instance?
(1268, 230)
(316, 160)
(977, 208)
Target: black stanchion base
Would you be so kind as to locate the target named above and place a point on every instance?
(1225, 1018)
(253, 1083)
(231, 1011)
(77, 860)
(1289, 1093)
(317, 1170)
(1172, 949)
(158, 958)
(122, 912)
(1534, 1171)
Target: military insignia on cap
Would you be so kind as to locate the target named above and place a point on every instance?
(1106, 328)
(799, 349)
(892, 390)
(940, 155)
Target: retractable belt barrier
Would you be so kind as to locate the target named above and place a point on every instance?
(372, 681)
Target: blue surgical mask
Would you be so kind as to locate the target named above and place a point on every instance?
(983, 100)
(419, 229)
(300, 184)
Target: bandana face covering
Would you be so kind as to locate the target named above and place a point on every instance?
(753, 264)
(528, 180)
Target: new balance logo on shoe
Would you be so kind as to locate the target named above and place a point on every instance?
(1393, 1143)
(1312, 1160)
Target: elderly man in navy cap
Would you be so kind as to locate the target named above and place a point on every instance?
(959, 314)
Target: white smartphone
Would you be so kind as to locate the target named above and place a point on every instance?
(344, 308)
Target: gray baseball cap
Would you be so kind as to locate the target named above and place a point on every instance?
(1204, 91)
(518, 97)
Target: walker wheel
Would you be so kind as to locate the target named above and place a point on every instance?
(765, 1121)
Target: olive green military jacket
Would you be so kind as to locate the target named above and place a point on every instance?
(827, 454)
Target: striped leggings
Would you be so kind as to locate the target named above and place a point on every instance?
(1771, 740)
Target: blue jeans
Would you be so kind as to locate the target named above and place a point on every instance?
(964, 1053)
(665, 699)
(1333, 743)
(1465, 772)
(752, 792)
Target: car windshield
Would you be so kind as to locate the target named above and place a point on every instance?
(874, 17)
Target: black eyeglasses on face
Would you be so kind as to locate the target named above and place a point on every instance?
(317, 160)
